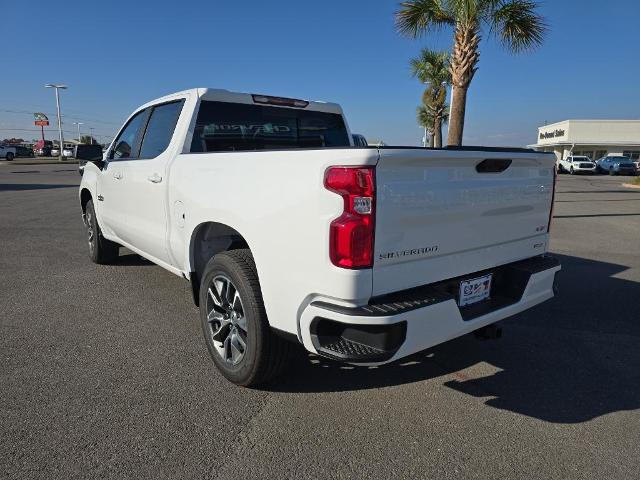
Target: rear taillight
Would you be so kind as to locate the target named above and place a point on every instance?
(553, 198)
(351, 234)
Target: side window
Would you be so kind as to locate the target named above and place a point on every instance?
(160, 127)
(125, 143)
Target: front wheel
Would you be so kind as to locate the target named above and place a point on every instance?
(612, 171)
(234, 321)
(572, 171)
(101, 250)
(9, 156)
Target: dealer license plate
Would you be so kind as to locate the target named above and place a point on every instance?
(475, 290)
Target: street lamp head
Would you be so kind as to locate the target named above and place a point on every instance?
(51, 85)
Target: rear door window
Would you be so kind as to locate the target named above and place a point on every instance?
(224, 127)
(160, 128)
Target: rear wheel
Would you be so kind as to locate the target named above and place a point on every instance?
(234, 321)
(101, 250)
(9, 156)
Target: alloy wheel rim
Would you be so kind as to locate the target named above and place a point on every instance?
(226, 319)
(90, 232)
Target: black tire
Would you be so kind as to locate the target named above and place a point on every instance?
(265, 354)
(101, 250)
(9, 156)
(571, 171)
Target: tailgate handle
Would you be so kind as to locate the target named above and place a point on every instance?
(493, 165)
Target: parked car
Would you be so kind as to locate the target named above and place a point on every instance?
(616, 165)
(42, 148)
(8, 152)
(24, 152)
(264, 205)
(576, 164)
(55, 152)
(67, 152)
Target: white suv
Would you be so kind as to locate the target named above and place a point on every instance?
(576, 164)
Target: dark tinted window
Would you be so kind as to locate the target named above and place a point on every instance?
(160, 129)
(125, 143)
(222, 126)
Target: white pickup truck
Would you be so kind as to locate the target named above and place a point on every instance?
(289, 233)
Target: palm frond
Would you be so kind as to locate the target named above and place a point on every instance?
(425, 118)
(518, 25)
(417, 17)
(431, 67)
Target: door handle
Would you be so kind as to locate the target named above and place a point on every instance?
(117, 175)
(155, 178)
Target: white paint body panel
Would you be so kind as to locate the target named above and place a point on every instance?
(276, 200)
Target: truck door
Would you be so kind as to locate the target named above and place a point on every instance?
(140, 213)
(111, 186)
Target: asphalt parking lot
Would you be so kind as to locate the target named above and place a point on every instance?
(104, 372)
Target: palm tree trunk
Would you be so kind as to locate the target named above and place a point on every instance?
(457, 112)
(437, 133)
(464, 61)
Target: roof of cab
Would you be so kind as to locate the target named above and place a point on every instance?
(221, 95)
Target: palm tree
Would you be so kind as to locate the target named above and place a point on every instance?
(427, 120)
(432, 69)
(514, 22)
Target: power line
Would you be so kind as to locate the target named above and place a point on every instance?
(70, 117)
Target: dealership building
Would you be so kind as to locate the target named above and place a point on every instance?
(593, 138)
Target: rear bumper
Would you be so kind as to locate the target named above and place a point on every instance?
(406, 322)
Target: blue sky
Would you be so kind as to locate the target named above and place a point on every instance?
(116, 55)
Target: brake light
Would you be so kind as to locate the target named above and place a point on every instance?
(280, 101)
(351, 235)
(553, 198)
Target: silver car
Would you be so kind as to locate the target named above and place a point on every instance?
(616, 165)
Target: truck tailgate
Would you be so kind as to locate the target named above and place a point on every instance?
(442, 214)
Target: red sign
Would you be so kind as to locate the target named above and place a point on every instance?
(42, 123)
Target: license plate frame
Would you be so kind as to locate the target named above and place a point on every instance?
(474, 290)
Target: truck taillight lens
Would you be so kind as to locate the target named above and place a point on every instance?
(351, 234)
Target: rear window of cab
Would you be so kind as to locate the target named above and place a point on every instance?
(227, 127)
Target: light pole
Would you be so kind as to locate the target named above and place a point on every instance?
(58, 87)
(91, 129)
(78, 124)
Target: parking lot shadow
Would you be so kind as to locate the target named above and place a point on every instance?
(569, 360)
(132, 259)
(15, 187)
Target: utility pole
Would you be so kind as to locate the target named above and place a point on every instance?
(91, 129)
(78, 124)
(58, 87)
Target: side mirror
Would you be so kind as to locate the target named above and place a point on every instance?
(89, 153)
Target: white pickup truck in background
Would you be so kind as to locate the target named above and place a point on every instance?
(8, 152)
(289, 233)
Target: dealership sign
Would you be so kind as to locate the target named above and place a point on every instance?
(40, 119)
(551, 134)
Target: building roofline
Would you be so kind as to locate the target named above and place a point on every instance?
(593, 144)
(575, 120)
